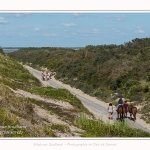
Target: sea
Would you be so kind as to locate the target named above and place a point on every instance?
(12, 49)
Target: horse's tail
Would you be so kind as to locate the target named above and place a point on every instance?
(135, 111)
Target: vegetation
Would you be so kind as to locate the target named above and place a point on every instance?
(101, 71)
(18, 114)
(100, 129)
(1, 51)
(15, 75)
(60, 94)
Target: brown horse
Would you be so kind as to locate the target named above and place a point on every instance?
(121, 112)
(132, 110)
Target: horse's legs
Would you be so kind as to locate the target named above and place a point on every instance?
(117, 115)
(122, 116)
(134, 115)
(130, 116)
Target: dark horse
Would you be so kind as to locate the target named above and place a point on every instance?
(132, 110)
(121, 112)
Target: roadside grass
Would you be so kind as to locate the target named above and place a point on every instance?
(60, 127)
(60, 94)
(97, 128)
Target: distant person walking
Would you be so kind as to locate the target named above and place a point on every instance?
(49, 75)
(43, 75)
(110, 111)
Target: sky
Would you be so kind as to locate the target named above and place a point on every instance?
(71, 29)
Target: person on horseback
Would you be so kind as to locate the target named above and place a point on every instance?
(120, 102)
(125, 105)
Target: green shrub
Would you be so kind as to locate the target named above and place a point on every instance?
(136, 98)
(146, 88)
(1, 51)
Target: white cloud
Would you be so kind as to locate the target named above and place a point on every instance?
(89, 32)
(77, 15)
(74, 33)
(22, 35)
(122, 33)
(117, 18)
(94, 31)
(53, 34)
(69, 24)
(120, 18)
(37, 29)
(3, 21)
(139, 30)
(19, 15)
(46, 34)
(115, 30)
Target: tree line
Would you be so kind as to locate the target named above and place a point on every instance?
(101, 70)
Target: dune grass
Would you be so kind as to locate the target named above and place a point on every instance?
(15, 75)
(97, 128)
(60, 94)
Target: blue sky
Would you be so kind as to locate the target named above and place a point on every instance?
(71, 29)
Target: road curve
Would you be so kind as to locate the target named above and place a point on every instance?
(97, 107)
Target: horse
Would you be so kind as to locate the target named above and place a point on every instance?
(125, 113)
(121, 112)
(132, 110)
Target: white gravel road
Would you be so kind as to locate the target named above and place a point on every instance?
(95, 106)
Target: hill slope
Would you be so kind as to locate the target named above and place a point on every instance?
(97, 70)
(23, 114)
(100, 71)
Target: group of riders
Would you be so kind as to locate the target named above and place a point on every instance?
(46, 76)
(120, 103)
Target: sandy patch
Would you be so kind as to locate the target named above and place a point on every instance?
(54, 119)
(61, 103)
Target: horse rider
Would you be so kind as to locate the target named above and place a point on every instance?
(120, 102)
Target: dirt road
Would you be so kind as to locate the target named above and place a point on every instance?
(95, 106)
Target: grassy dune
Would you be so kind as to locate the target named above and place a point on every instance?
(18, 116)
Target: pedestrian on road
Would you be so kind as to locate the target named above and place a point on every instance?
(110, 111)
(43, 75)
(49, 75)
